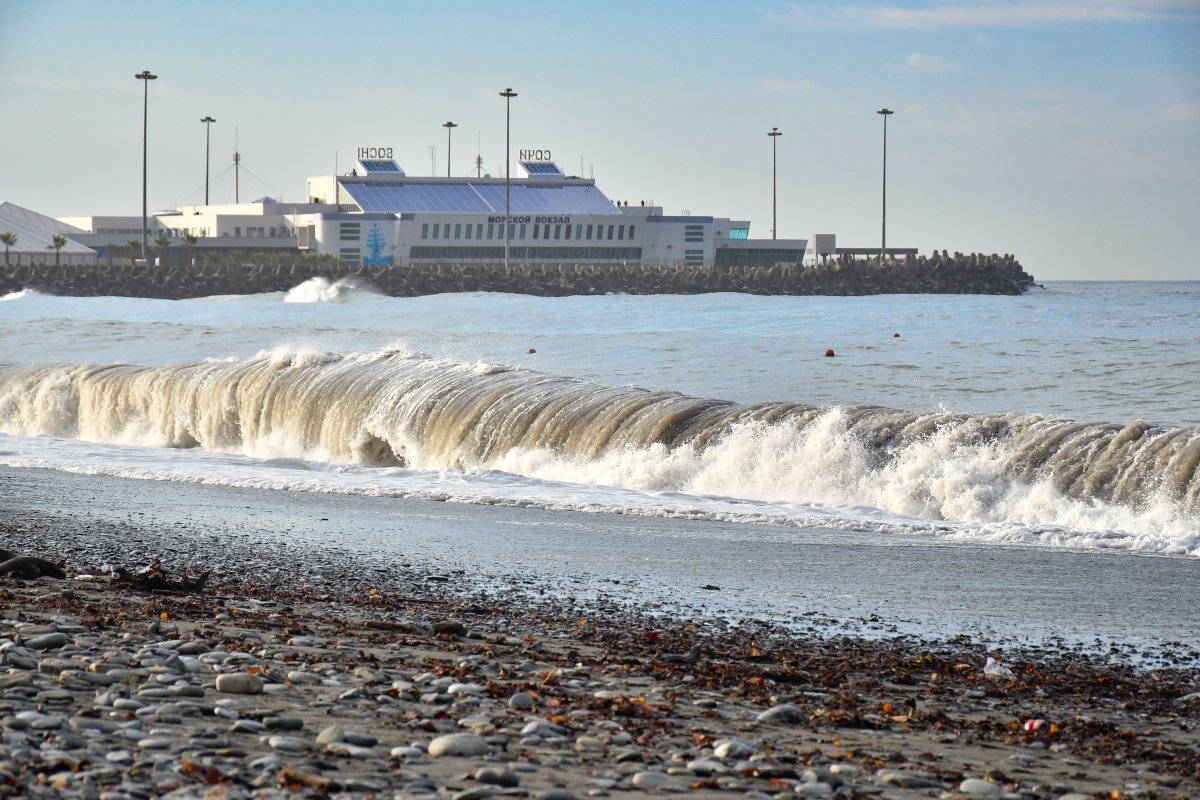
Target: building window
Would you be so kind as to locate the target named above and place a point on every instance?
(351, 254)
(610, 230)
(579, 231)
(424, 230)
(631, 229)
(567, 232)
(468, 230)
(536, 232)
(237, 231)
(521, 233)
(558, 231)
(458, 230)
(739, 233)
(621, 232)
(589, 232)
(446, 231)
(491, 230)
(479, 231)
(546, 231)
(350, 231)
(436, 230)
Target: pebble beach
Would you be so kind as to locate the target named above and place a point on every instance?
(273, 682)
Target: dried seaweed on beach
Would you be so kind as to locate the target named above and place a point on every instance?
(155, 579)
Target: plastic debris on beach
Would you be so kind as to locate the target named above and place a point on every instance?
(996, 669)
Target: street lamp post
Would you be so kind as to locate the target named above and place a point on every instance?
(207, 131)
(449, 126)
(774, 133)
(508, 94)
(145, 75)
(885, 113)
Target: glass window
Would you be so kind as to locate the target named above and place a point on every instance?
(631, 229)
(558, 231)
(424, 230)
(621, 232)
(479, 231)
(491, 230)
(436, 229)
(521, 233)
(579, 231)
(536, 231)
(567, 232)
(468, 231)
(610, 230)
(589, 232)
(546, 231)
(458, 230)
(446, 231)
(237, 231)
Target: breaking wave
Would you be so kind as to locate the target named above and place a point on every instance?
(323, 290)
(391, 409)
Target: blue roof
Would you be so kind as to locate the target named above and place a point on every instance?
(477, 198)
(379, 165)
(540, 167)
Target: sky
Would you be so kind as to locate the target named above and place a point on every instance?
(1066, 133)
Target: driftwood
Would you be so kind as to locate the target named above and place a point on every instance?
(30, 567)
(154, 579)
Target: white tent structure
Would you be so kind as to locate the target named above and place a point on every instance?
(35, 234)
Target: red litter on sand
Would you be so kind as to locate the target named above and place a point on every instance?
(1035, 725)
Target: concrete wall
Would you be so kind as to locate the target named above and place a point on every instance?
(938, 274)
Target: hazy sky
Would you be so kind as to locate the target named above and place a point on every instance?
(1067, 133)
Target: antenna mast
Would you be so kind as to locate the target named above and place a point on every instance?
(237, 169)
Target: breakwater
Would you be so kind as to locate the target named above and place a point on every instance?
(940, 273)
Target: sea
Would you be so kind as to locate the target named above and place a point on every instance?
(944, 462)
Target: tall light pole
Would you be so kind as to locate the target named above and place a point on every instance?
(207, 132)
(449, 126)
(774, 133)
(145, 75)
(508, 94)
(885, 113)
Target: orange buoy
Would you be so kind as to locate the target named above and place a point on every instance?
(531, 350)
(829, 353)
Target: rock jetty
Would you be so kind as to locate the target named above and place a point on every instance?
(940, 273)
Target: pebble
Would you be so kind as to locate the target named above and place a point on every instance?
(786, 713)
(974, 787)
(458, 744)
(733, 748)
(115, 714)
(239, 683)
(497, 776)
(520, 700)
(657, 782)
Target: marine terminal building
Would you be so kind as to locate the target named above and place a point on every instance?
(378, 215)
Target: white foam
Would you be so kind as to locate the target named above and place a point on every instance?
(323, 290)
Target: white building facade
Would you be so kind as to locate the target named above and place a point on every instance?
(378, 216)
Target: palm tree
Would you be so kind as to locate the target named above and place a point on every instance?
(9, 238)
(57, 244)
(162, 243)
(189, 241)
